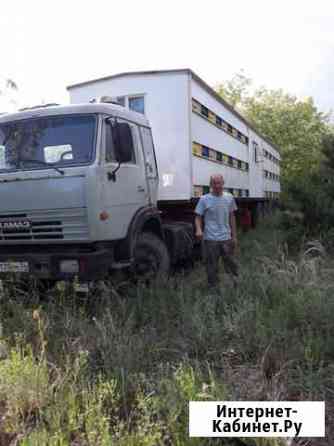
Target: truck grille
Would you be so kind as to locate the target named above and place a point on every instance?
(44, 225)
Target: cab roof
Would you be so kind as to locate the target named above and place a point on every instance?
(77, 109)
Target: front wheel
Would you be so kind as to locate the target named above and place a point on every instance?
(151, 257)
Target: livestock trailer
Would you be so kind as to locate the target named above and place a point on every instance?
(196, 134)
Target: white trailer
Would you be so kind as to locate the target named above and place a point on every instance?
(196, 134)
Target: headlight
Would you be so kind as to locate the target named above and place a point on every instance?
(69, 266)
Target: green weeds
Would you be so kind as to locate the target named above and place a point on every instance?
(119, 367)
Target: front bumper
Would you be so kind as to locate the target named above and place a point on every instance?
(92, 265)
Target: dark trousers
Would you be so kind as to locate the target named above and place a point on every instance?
(213, 251)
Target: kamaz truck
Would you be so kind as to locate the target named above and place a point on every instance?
(109, 183)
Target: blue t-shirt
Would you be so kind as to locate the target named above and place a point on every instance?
(216, 212)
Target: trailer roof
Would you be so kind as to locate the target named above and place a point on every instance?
(207, 87)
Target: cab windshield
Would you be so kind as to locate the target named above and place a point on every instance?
(40, 143)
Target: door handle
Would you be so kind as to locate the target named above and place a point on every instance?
(140, 189)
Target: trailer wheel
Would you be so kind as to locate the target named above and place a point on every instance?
(151, 257)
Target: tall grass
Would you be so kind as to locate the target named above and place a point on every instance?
(119, 366)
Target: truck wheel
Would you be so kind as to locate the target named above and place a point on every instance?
(151, 256)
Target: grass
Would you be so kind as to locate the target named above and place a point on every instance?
(120, 366)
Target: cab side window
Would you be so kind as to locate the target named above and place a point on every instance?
(110, 152)
(110, 148)
(134, 131)
(151, 167)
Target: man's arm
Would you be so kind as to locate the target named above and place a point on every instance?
(199, 227)
(199, 212)
(233, 227)
(232, 221)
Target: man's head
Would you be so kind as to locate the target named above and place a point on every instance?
(217, 184)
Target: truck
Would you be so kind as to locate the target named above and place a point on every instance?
(111, 180)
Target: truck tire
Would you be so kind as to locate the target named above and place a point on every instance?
(151, 257)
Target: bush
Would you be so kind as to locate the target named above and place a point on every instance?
(24, 387)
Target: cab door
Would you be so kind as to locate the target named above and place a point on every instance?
(150, 163)
(124, 191)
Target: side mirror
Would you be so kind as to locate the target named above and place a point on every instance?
(123, 142)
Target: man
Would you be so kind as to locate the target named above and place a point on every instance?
(216, 211)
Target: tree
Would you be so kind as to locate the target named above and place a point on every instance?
(8, 84)
(328, 151)
(235, 90)
(294, 125)
(7, 88)
(313, 195)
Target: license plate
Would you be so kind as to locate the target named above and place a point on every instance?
(14, 267)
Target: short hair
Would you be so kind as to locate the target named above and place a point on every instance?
(216, 176)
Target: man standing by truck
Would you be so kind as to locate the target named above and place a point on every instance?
(215, 211)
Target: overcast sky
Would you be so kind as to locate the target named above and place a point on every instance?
(47, 45)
